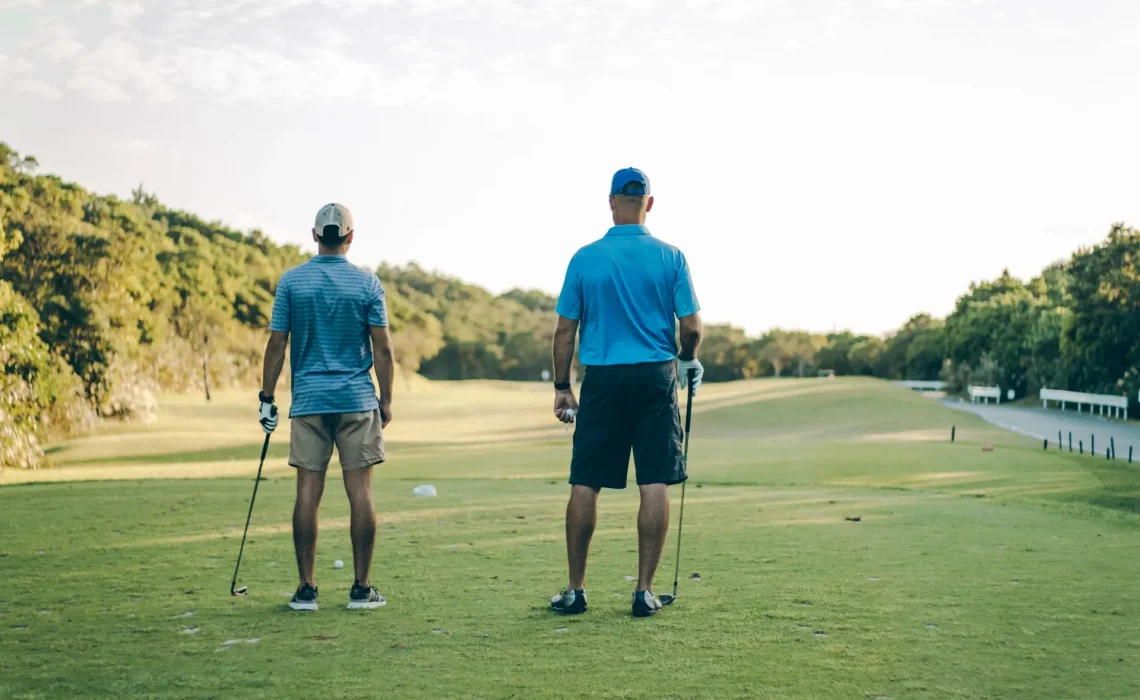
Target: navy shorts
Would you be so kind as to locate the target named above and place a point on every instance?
(626, 408)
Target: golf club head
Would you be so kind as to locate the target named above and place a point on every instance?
(666, 598)
(239, 591)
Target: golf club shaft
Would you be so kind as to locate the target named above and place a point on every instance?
(681, 519)
(256, 481)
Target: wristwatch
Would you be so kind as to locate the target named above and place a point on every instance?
(263, 398)
(562, 386)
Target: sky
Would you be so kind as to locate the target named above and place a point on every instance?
(821, 163)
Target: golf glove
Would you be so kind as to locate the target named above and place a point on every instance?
(683, 367)
(267, 414)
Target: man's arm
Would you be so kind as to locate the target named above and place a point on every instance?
(691, 331)
(274, 361)
(384, 359)
(565, 403)
(565, 334)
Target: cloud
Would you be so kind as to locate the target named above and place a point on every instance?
(98, 89)
(17, 4)
(58, 43)
(18, 75)
(15, 67)
(36, 87)
(922, 6)
(123, 11)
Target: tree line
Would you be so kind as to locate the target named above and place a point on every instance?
(1075, 326)
(106, 302)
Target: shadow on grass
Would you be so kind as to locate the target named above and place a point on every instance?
(280, 450)
(1119, 486)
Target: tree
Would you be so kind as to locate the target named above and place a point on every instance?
(201, 324)
(915, 351)
(1101, 338)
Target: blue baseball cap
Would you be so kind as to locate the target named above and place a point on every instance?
(630, 181)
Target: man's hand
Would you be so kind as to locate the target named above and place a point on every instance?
(565, 405)
(267, 413)
(683, 367)
(385, 414)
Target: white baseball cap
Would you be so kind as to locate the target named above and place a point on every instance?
(334, 215)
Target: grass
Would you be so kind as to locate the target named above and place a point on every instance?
(970, 574)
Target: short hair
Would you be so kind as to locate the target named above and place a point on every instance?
(331, 237)
(631, 199)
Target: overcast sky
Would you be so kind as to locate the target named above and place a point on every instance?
(821, 163)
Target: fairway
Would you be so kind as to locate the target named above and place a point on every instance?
(968, 573)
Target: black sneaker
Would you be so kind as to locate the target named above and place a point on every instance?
(305, 598)
(645, 604)
(569, 602)
(365, 598)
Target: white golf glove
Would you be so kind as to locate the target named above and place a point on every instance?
(683, 367)
(267, 414)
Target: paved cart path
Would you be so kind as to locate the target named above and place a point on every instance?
(1043, 424)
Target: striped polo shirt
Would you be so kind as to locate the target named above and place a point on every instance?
(326, 306)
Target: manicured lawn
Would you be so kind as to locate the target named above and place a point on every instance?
(970, 574)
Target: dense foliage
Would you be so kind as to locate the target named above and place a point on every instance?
(1075, 326)
(105, 302)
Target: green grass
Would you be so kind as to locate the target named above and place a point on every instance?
(971, 574)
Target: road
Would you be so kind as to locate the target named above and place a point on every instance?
(1043, 424)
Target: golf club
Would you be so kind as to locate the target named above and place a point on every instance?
(242, 591)
(667, 599)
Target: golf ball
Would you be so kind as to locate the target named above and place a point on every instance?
(569, 413)
(338, 564)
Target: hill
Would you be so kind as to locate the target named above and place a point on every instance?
(106, 303)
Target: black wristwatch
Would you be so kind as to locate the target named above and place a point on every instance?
(263, 398)
(563, 386)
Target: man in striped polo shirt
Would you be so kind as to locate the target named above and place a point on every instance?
(336, 316)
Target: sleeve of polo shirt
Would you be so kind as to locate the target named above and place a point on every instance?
(570, 299)
(377, 305)
(280, 320)
(684, 297)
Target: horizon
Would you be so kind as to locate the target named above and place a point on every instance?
(855, 140)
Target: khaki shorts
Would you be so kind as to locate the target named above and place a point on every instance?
(357, 436)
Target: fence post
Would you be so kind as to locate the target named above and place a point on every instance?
(1130, 454)
(1070, 441)
(1081, 446)
(1045, 446)
(1112, 446)
(1092, 444)
(953, 429)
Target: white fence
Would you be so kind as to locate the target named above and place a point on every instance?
(920, 385)
(985, 393)
(1116, 406)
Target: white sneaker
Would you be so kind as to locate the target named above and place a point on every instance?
(645, 604)
(361, 598)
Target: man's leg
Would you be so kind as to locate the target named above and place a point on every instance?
(658, 455)
(358, 486)
(310, 486)
(581, 517)
(652, 528)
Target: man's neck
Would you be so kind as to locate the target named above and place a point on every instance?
(340, 252)
(629, 222)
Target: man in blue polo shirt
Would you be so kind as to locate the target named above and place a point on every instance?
(623, 295)
(332, 316)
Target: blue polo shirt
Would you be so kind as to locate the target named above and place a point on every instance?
(326, 306)
(627, 290)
